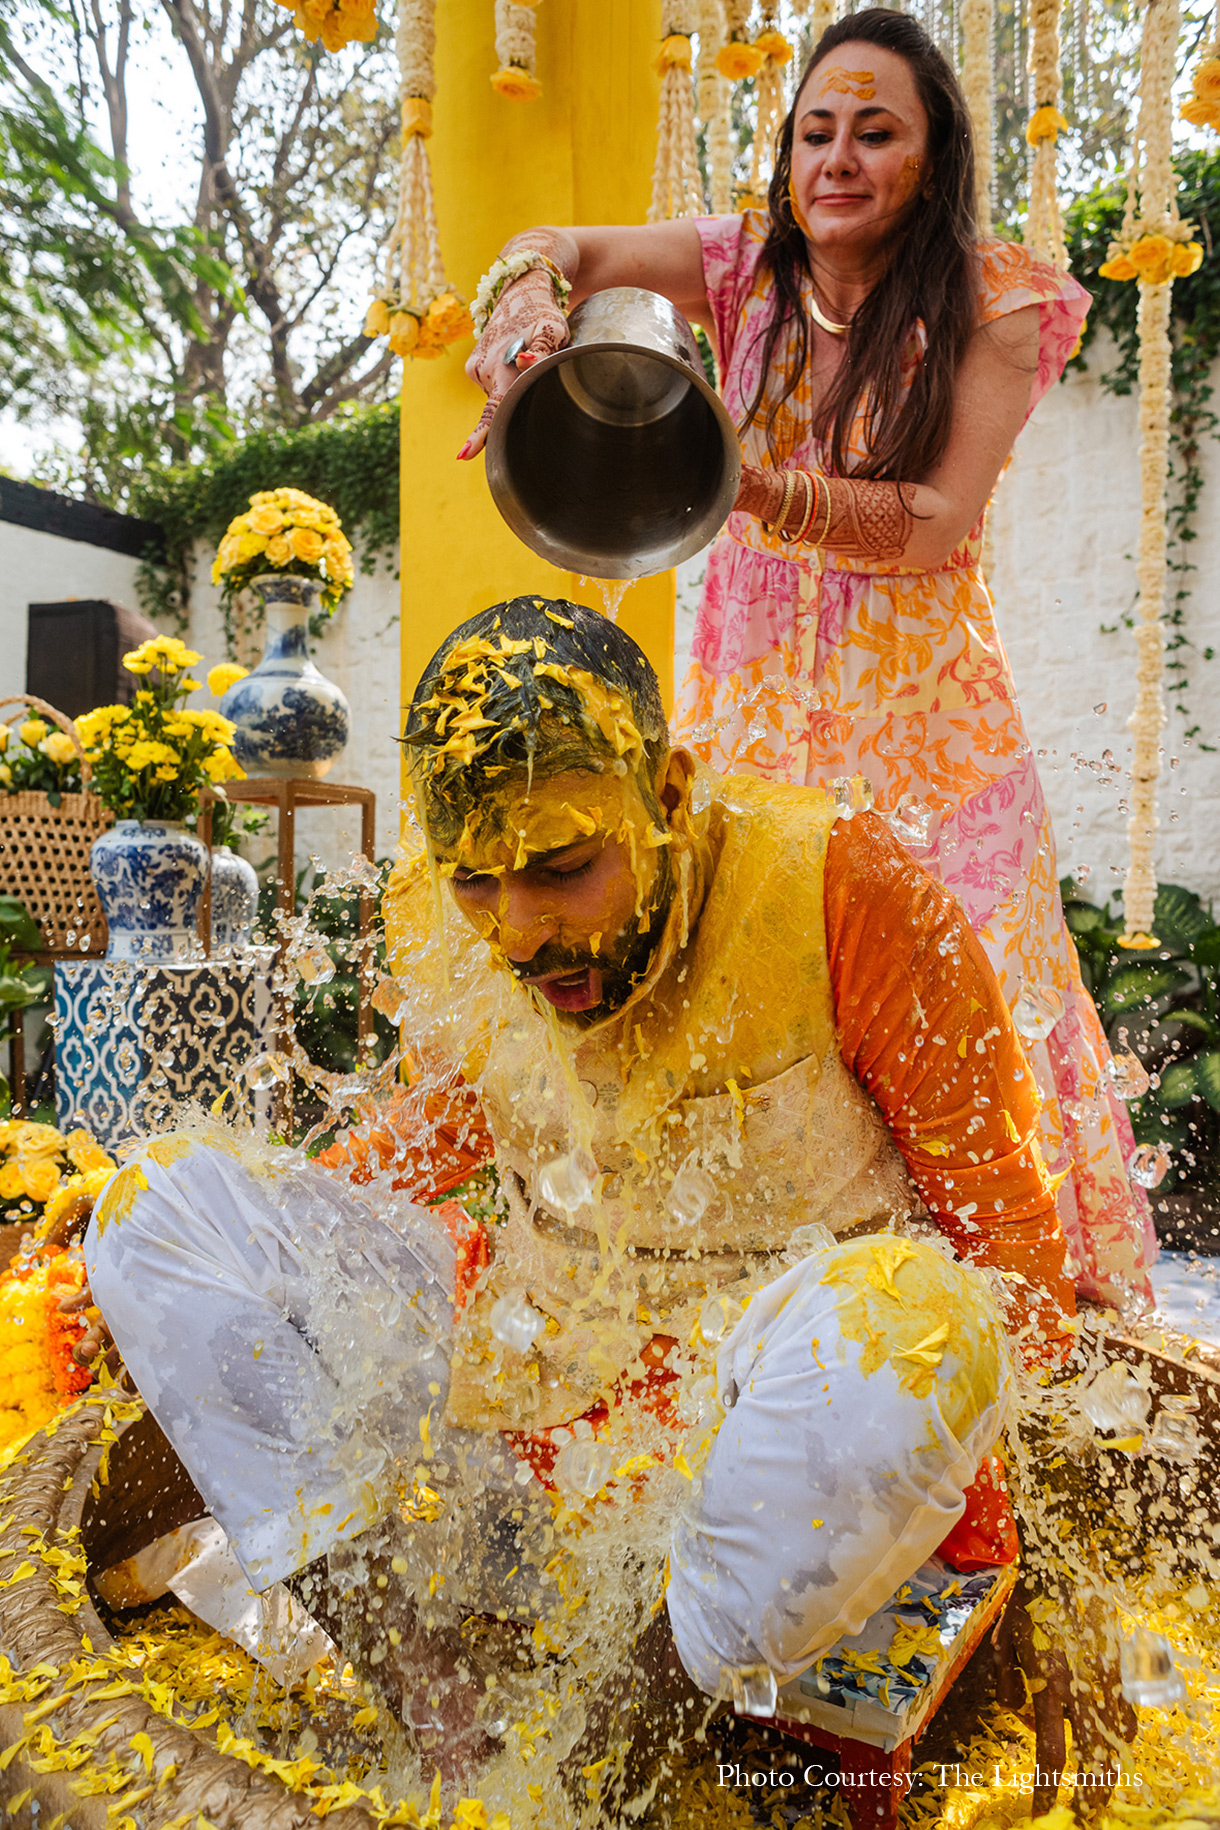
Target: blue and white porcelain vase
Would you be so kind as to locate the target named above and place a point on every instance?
(149, 876)
(234, 899)
(290, 720)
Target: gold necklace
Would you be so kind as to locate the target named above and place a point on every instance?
(819, 317)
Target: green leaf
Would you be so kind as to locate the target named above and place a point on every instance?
(1132, 987)
(17, 928)
(1205, 948)
(1178, 917)
(1179, 1084)
(15, 994)
(1207, 1068)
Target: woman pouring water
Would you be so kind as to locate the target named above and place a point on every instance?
(878, 360)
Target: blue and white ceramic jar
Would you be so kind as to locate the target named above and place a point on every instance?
(149, 876)
(234, 899)
(290, 720)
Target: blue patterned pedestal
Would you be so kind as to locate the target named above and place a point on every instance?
(140, 1048)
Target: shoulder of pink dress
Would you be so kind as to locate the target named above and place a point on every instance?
(1011, 277)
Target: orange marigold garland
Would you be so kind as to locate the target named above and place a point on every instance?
(335, 22)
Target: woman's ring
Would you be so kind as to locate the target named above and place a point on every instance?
(513, 351)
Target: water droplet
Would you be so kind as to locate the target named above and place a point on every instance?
(1115, 1402)
(568, 1182)
(911, 821)
(1127, 1075)
(697, 1401)
(316, 967)
(754, 1691)
(756, 730)
(718, 1317)
(1149, 1165)
(804, 1241)
(70, 938)
(263, 1071)
(692, 1193)
(515, 1321)
(842, 797)
(83, 943)
(1174, 1435)
(584, 1467)
(1037, 1010)
(392, 1000)
(1150, 1679)
(1100, 707)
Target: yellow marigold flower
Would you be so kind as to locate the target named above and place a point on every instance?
(404, 332)
(377, 319)
(223, 766)
(266, 520)
(279, 550)
(449, 318)
(1187, 258)
(516, 84)
(1201, 114)
(307, 544)
(737, 60)
(774, 45)
(224, 675)
(1150, 255)
(33, 731)
(675, 53)
(4, 737)
(1045, 123)
(59, 747)
(1119, 268)
(1206, 81)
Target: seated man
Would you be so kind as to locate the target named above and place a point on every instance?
(746, 1077)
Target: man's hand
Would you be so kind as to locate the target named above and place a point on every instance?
(96, 1341)
(1083, 1689)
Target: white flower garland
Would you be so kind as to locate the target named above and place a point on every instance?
(769, 92)
(978, 86)
(677, 189)
(503, 272)
(1044, 227)
(1157, 213)
(714, 92)
(517, 51)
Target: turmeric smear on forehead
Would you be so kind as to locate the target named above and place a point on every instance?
(860, 83)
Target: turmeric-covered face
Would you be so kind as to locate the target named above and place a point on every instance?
(566, 880)
(859, 148)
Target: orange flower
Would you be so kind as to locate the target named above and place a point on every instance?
(1151, 255)
(774, 45)
(1119, 268)
(1187, 258)
(404, 332)
(1201, 114)
(307, 544)
(515, 85)
(1206, 83)
(738, 61)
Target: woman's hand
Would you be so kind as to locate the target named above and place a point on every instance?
(526, 325)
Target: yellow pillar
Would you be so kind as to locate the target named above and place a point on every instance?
(583, 153)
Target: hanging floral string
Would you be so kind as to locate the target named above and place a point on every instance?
(738, 58)
(978, 85)
(413, 303)
(823, 14)
(677, 189)
(1157, 220)
(1044, 228)
(714, 111)
(515, 79)
(769, 91)
(1203, 108)
(335, 22)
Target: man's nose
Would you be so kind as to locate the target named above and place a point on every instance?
(524, 926)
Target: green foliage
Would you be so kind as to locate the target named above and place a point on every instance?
(349, 461)
(1163, 1006)
(1092, 223)
(28, 768)
(20, 986)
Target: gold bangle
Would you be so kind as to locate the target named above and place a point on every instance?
(811, 485)
(791, 539)
(785, 503)
(820, 543)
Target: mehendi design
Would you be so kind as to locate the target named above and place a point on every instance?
(869, 520)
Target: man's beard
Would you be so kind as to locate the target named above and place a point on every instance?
(622, 968)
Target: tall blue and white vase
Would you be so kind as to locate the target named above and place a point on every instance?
(234, 899)
(149, 876)
(290, 719)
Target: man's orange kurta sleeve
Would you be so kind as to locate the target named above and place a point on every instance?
(432, 1138)
(924, 1027)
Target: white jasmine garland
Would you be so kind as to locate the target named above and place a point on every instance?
(503, 272)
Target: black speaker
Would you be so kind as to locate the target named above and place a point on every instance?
(75, 655)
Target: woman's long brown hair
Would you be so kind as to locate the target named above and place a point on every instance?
(931, 273)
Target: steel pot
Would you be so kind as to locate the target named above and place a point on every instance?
(614, 457)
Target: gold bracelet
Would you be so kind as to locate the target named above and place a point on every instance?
(785, 504)
(826, 484)
(790, 539)
(811, 489)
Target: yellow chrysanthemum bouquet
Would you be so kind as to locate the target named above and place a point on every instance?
(284, 530)
(151, 758)
(35, 756)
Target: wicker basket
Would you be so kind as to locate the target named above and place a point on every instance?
(44, 853)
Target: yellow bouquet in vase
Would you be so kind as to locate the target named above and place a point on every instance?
(288, 532)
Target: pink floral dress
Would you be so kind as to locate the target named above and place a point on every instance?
(806, 667)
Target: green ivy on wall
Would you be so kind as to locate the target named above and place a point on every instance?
(350, 461)
(1092, 223)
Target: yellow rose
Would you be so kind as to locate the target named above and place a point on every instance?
(6, 775)
(516, 84)
(85, 1153)
(404, 332)
(738, 61)
(675, 54)
(11, 1185)
(4, 737)
(1206, 83)
(226, 673)
(40, 1176)
(33, 731)
(1150, 255)
(307, 544)
(1201, 114)
(449, 319)
(377, 319)
(266, 520)
(279, 550)
(1187, 258)
(249, 547)
(1119, 268)
(59, 747)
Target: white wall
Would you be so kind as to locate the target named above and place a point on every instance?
(1064, 528)
(359, 652)
(45, 569)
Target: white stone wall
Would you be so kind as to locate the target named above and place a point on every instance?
(1064, 529)
(46, 569)
(359, 652)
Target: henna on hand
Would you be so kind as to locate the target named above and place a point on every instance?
(867, 520)
(526, 308)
